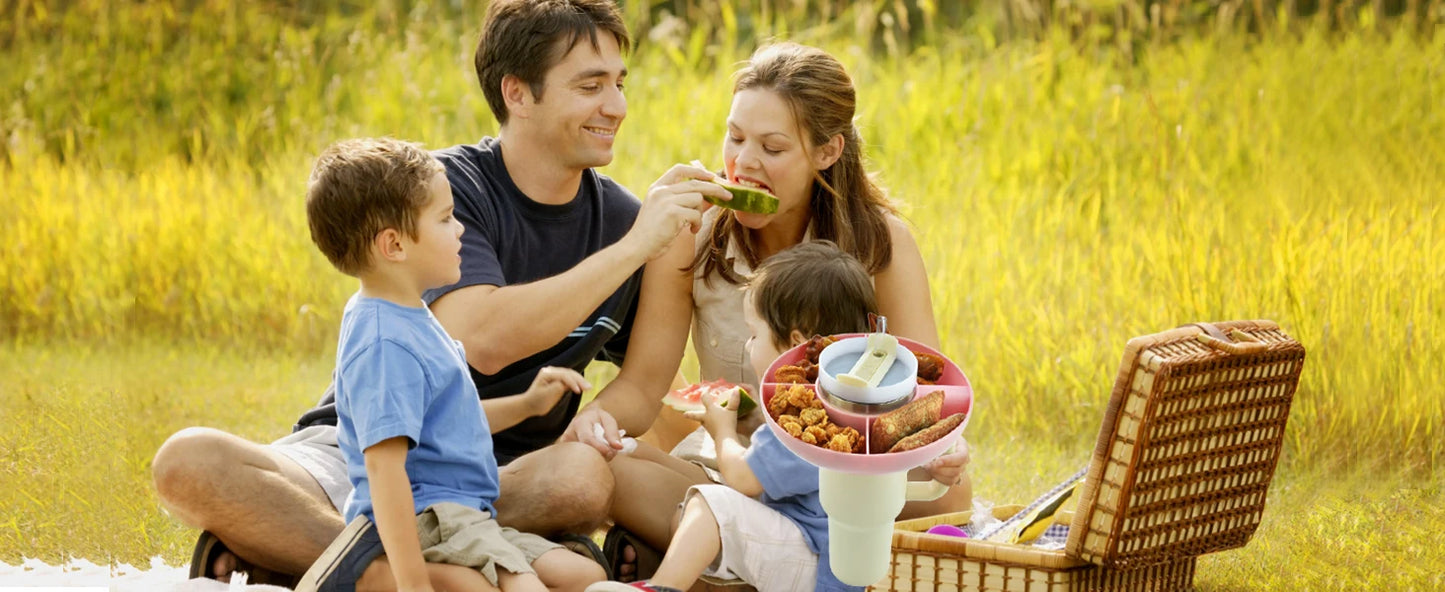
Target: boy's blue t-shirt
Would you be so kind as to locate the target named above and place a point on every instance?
(790, 486)
(398, 373)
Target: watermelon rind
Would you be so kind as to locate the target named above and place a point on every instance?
(746, 404)
(673, 399)
(745, 199)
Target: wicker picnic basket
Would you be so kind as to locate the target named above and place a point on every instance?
(1184, 459)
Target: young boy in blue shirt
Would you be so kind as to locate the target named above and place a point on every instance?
(765, 524)
(417, 444)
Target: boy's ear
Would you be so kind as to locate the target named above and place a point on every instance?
(387, 245)
(828, 153)
(797, 337)
(518, 96)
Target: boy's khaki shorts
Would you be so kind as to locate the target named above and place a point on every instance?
(459, 535)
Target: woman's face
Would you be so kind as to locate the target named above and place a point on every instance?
(764, 147)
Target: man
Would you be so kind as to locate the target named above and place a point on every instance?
(550, 276)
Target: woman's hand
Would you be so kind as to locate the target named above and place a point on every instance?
(949, 468)
(719, 416)
(548, 387)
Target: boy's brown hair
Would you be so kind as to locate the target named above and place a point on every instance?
(813, 288)
(359, 188)
(519, 37)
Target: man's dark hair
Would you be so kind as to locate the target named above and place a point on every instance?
(520, 38)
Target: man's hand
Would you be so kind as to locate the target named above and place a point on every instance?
(674, 202)
(548, 387)
(949, 468)
(582, 429)
(719, 416)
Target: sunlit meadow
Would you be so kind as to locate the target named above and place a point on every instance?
(1068, 193)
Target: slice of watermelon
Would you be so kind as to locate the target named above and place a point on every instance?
(690, 397)
(745, 199)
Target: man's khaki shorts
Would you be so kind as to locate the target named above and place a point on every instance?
(316, 450)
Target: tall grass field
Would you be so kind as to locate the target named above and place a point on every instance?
(1071, 185)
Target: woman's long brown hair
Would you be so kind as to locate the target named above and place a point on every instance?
(848, 208)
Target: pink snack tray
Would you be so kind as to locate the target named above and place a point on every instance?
(957, 398)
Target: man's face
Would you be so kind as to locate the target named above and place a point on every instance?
(582, 104)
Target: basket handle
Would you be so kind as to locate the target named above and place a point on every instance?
(1241, 344)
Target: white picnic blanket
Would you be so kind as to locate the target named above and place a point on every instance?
(81, 574)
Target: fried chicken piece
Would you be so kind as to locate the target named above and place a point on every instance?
(820, 436)
(813, 417)
(778, 406)
(802, 397)
(809, 438)
(792, 426)
(816, 346)
(844, 439)
(899, 423)
(791, 374)
(930, 368)
(840, 443)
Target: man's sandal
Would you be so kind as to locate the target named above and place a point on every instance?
(209, 548)
(584, 545)
(647, 558)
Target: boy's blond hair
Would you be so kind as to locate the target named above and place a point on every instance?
(813, 288)
(361, 187)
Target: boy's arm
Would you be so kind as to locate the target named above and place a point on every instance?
(720, 418)
(544, 393)
(395, 512)
(734, 468)
(505, 412)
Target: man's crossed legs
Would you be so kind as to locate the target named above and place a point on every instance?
(272, 513)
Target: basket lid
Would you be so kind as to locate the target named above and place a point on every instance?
(1189, 444)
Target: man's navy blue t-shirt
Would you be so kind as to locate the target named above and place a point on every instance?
(510, 239)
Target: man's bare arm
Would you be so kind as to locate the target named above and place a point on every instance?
(500, 326)
(654, 352)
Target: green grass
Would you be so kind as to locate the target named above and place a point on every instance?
(91, 423)
(1068, 193)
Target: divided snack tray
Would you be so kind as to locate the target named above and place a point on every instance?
(957, 398)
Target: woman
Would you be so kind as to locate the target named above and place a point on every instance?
(790, 132)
